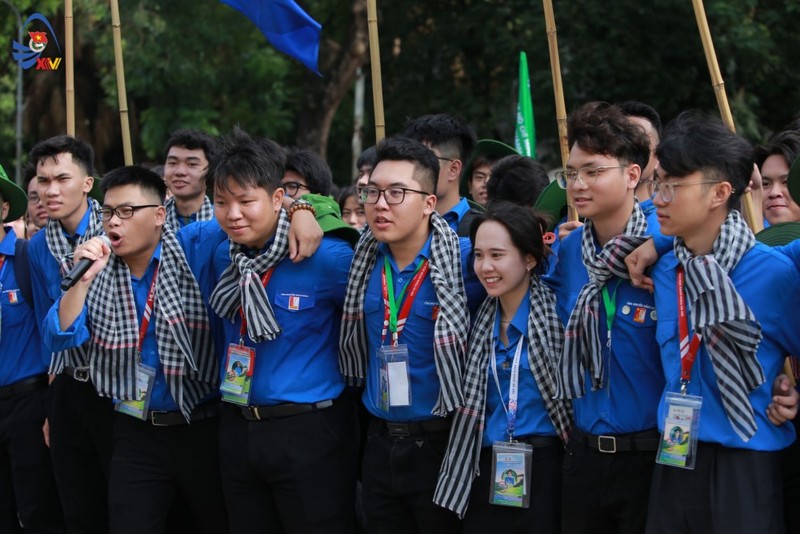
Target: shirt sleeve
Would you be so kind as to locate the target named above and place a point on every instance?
(56, 339)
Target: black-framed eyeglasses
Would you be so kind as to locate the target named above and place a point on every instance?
(123, 212)
(666, 190)
(392, 195)
(585, 175)
(292, 188)
(444, 159)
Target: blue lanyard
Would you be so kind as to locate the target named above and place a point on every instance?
(513, 389)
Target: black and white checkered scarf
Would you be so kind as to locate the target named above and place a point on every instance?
(582, 347)
(206, 213)
(731, 333)
(183, 335)
(62, 250)
(452, 323)
(240, 285)
(545, 341)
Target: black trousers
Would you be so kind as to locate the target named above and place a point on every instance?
(295, 474)
(151, 464)
(544, 514)
(604, 492)
(791, 482)
(27, 488)
(729, 491)
(399, 476)
(80, 449)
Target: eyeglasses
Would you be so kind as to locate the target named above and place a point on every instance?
(585, 175)
(444, 159)
(124, 212)
(392, 195)
(292, 188)
(666, 190)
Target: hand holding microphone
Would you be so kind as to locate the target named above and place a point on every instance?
(90, 258)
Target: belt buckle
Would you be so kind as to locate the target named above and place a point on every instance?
(81, 374)
(153, 415)
(398, 430)
(607, 444)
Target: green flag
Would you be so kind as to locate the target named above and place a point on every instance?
(525, 133)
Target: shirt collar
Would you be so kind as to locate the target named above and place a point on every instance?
(425, 252)
(83, 225)
(519, 323)
(457, 212)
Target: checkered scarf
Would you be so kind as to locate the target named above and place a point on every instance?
(240, 286)
(582, 347)
(206, 213)
(452, 323)
(62, 251)
(183, 335)
(545, 341)
(731, 333)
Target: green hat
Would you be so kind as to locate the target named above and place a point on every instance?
(14, 195)
(484, 147)
(793, 180)
(330, 219)
(553, 203)
(779, 234)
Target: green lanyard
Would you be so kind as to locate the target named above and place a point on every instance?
(610, 304)
(393, 303)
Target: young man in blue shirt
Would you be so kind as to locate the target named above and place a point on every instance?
(27, 489)
(610, 362)
(79, 420)
(287, 435)
(728, 320)
(151, 351)
(404, 331)
(187, 155)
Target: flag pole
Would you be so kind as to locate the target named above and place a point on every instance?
(722, 101)
(121, 93)
(558, 90)
(375, 64)
(69, 66)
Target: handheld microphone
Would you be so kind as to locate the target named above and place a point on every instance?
(80, 268)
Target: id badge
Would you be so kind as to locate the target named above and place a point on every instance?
(235, 388)
(395, 383)
(511, 474)
(145, 377)
(681, 424)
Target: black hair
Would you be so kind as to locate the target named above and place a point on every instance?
(344, 194)
(246, 162)
(426, 165)
(785, 144)
(525, 226)
(695, 142)
(192, 140)
(517, 179)
(600, 128)
(145, 179)
(28, 174)
(82, 153)
(367, 157)
(634, 108)
(452, 136)
(312, 168)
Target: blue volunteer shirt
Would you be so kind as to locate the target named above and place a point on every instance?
(22, 354)
(472, 285)
(770, 285)
(792, 251)
(628, 400)
(301, 365)
(647, 207)
(532, 418)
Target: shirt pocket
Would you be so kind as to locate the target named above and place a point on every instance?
(12, 297)
(427, 308)
(295, 300)
(637, 316)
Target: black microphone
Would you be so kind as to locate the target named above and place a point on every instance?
(80, 268)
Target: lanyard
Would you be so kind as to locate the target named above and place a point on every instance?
(610, 305)
(513, 389)
(243, 329)
(391, 319)
(148, 310)
(688, 349)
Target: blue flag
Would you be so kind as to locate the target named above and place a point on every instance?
(290, 29)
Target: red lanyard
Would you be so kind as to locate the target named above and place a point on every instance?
(148, 310)
(390, 306)
(688, 348)
(243, 330)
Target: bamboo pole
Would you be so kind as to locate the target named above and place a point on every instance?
(558, 90)
(375, 64)
(121, 93)
(722, 101)
(69, 66)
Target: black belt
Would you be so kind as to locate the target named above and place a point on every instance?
(81, 374)
(539, 442)
(23, 386)
(418, 428)
(639, 441)
(280, 411)
(176, 418)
